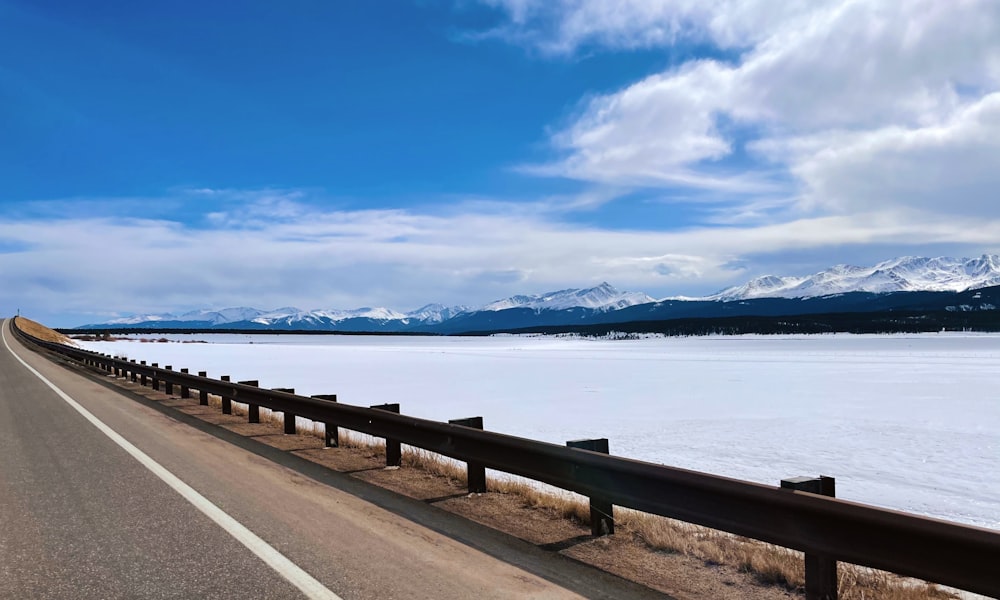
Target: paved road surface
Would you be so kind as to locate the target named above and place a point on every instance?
(82, 518)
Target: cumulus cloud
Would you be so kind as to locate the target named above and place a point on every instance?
(953, 166)
(614, 139)
(844, 105)
(561, 27)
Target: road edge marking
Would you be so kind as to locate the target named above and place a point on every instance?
(293, 573)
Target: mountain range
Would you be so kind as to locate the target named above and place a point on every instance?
(906, 274)
(890, 285)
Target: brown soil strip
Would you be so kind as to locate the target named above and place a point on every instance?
(42, 332)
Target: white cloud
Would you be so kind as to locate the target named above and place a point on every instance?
(612, 140)
(561, 27)
(951, 167)
(854, 105)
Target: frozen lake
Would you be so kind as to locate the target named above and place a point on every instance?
(910, 422)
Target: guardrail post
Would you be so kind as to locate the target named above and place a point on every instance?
(393, 449)
(227, 403)
(156, 382)
(602, 516)
(289, 417)
(185, 391)
(202, 394)
(142, 376)
(168, 386)
(475, 472)
(821, 572)
(135, 376)
(331, 435)
(253, 410)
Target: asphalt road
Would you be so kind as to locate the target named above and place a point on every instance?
(82, 518)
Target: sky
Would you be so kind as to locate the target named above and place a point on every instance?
(164, 157)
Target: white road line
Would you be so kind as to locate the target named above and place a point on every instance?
(305, 582)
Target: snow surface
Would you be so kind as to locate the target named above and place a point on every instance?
(910, 422)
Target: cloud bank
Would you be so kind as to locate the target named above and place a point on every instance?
(292, 253)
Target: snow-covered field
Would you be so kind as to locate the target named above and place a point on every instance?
(910, 422)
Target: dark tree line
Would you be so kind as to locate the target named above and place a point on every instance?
(879, 322)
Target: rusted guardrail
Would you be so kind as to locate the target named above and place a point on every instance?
(826, 528)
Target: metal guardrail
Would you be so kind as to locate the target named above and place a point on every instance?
(952, 554)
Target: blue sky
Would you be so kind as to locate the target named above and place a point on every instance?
(165, 157)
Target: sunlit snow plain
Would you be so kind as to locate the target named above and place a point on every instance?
(910, 422)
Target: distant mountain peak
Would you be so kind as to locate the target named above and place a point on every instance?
(601, 297)
(902, 274)
(436, 313)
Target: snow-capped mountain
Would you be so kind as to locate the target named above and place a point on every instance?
(603, 297)
(378, 314)
(906, 274)
(290, 316)
(215, 317)
(436, 313)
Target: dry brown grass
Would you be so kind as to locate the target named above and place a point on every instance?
(567, 506)
(430, 462)
(41, 331)
(766, 562)
(860, 583)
